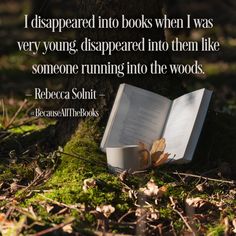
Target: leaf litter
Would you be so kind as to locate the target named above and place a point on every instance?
(164, 202)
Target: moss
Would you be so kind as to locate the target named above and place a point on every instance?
(26, 128)
(17, 171)
(217, 230)
(178, 225)
(166, 213)
(82, 159)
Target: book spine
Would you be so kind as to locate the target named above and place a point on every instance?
(166, 120)
(112, 117)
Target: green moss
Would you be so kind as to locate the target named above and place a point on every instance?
(82, 159)
(178, 225)
(217, 230)
(11, 171)
(166, 213)
(25, 128)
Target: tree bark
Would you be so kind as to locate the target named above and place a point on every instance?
(42, 8)
(108, 85)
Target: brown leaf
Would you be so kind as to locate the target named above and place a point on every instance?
(89, 183)
(150, 212)
(106, 210)
(197, 202)
(162, 191)
(234, 225)
(49, 208)
(157, 149)
(123, 175)
(68, 229)
(162, 159)
(2, 197)
(226, 225)
(14, 187)
(153, 214)
(152, 189)
(200, 188)
(2, 217)
(158, 154)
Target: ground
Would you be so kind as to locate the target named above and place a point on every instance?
(45, 191)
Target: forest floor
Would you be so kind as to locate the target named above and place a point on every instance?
(48, 190)
(70, 190)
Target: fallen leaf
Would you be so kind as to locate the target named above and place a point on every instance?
(151, 213)
(2, 217)
(14, 187)
(68, 229)
(49, 208)
(123, 175)
(200, 187)
(162, 191)
(106, 210)
(2, 197)
(197, 202)
(226, 225)
(31, 211)
(140, 212)
(234, 225)
(89, 183)
(152, 189)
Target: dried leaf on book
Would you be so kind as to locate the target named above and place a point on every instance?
(158, 155)
(162, 160)
(157, 149)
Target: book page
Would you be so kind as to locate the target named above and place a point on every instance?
(139, 117)
(180, 124)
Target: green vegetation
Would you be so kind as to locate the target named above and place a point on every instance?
(63, 191)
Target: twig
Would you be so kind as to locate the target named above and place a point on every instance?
(180, 177)
(3, 110)
(139, 172)
(16, 114)
(28, 214)
(33, 182)
(181, 216)
(49, 230)
(81, 158)
(126, 214)
(59, 203)
(206, 178)
(99, 233)
(24, 123)
(184, 220)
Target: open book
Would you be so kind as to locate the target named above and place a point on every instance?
(139, 115)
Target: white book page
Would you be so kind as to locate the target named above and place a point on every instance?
(180, 124)
(140, 116)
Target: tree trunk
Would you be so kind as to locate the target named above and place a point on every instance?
(108, 85)
(42, 8)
